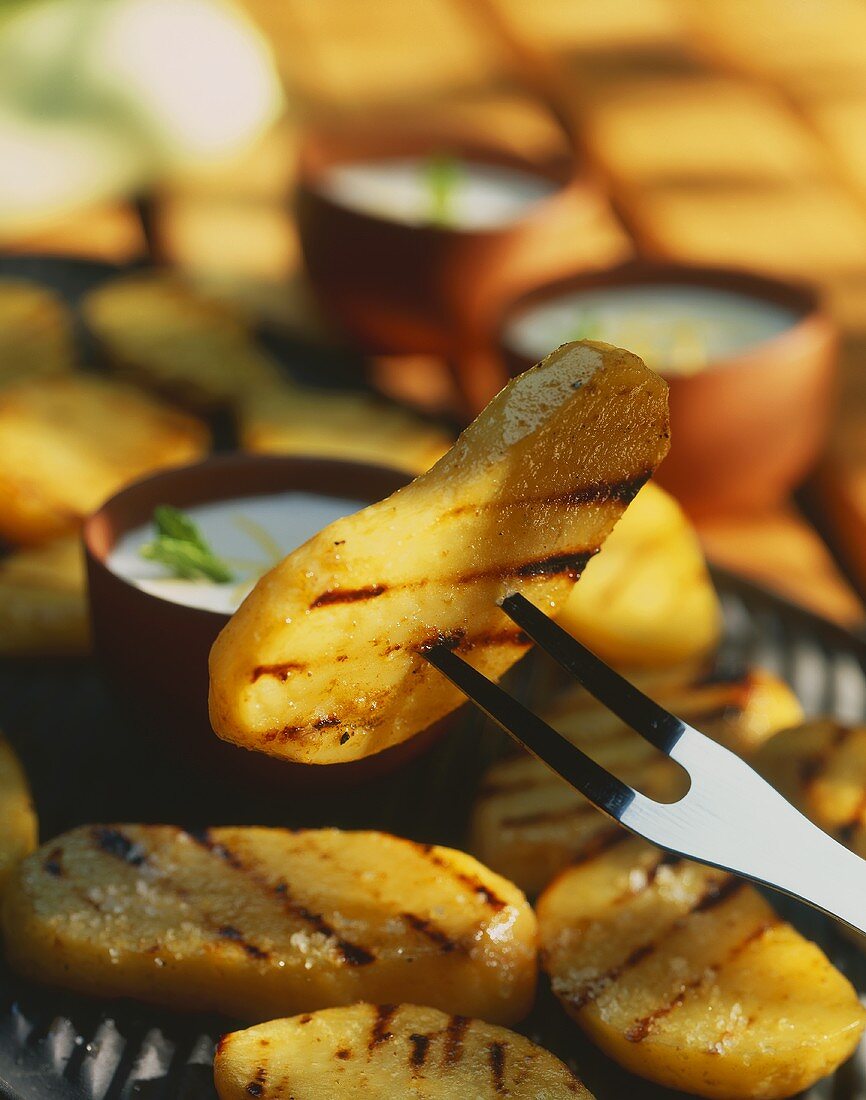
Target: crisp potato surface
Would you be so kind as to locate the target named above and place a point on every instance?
(258, 923)
(686, 976)
(528, 824)
(19, 829)
(323, 661)
(163, 333)
(35, 332)
(43, 602)
(646, 600)
(69, 443)
(388, 1052)
(293, 420)
(820, 767)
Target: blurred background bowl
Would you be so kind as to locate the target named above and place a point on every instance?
(396, 287)
(745, 426)
(155, 651)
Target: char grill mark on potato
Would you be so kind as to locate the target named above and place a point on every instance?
(352, 954)
(379, 1032)
(420, 1047)
(475, 885)
(496, 1055)
(641, 1028)
(428, 929)
(455, 1032)
(280, 671)
(338, 1054)
(521, 504)
(716, 893)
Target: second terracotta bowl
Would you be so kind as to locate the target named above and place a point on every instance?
(399, 288)
(745, 429)
(155, 651)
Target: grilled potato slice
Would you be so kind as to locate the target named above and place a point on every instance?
(686, 976)
(18, 826)
(161, 332)
(295, 420)
(43, 602)
(820, 767)
(647, 600)
(258, 923)
(322, 663)
(35, 332)
(69, 443)
(384, 1052)
(528, 824)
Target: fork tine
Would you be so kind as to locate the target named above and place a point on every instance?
(601, 788)
(652, 722)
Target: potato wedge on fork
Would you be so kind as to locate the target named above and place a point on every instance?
(323, 662)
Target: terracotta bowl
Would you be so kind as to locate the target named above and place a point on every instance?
(404, 289)
(746, 428)
(155, 652)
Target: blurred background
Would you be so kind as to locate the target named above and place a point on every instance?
(209, 139)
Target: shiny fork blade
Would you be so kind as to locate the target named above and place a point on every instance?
(646, 717)
(604, 790)
(729, 818)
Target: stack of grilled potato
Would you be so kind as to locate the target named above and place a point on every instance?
(372, 963)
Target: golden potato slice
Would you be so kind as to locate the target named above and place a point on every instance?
(163, 333)
(69, 443)
(686, 976)
(528, 824)
(19, 829)
(387, 1052)
(294, 420)
(820, 767)
(257, 923)
(647, 599)
(43, 600)
(322, 663)
(35, 332)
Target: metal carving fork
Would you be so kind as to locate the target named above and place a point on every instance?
(730, 817)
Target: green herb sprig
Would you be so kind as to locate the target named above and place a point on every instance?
(180, 546)
(443, 175)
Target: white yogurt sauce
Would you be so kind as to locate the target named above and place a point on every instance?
(674, 328)
(482, 196)
(250, 534)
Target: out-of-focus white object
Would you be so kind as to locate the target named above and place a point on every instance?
(101, 96)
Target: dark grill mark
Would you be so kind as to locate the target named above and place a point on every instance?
(53, 864)
(348, 595)
(813, 766)
(452, 639)
(324, 723)
(494, 637)
(229, 932)
(280, 671)
(420, 1047)
(344, 1055)
(427, 928)
(572, 565)
(598, 492)
(115, 843)
(454, 1035)
(380, 1033)
(641, 1028)
(257, 1086)
(540, 817)
(470, 881)
(717, 893)
(496, 1054)
(352, 954)
(591, 990)
(598, 845)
